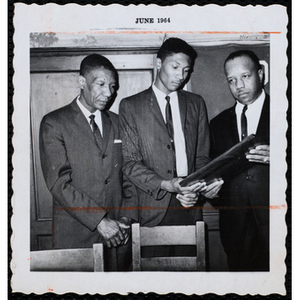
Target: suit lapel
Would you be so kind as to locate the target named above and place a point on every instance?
(182, 110)
(106, 123)
(233, 133)
(82, 124)
(262, 132)
(81, 121)
(263, 129)
(155, 109)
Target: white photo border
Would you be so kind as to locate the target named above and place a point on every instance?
(76, 18)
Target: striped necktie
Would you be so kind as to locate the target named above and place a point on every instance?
(96, 131)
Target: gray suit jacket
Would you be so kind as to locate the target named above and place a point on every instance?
(85, 179)
(147, 152)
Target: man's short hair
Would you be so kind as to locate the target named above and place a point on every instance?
(95, 61)
(247, 53)
(175, 45)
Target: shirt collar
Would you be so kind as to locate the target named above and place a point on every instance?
(256, 104)
(160, 95)
(85, 111)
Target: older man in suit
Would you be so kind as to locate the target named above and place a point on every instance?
(244, 200)
(81, 157)
(165, 137)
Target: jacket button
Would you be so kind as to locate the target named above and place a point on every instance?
(248, 177)
(106, 181)
(169, 171)
(169, 147)
(104, 155)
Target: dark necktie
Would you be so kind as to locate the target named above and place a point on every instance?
(244, 122)
(169, 120)
(96, 131)
(169, 124)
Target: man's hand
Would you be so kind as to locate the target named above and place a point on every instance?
(260, 154)
(173, 186)
(111, 232)
(213, 189)
(124, 224)
(188, 200)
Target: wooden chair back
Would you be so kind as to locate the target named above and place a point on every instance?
(86, 259)
(168, 235)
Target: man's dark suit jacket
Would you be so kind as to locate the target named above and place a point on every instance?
(244, 200)
(84, 179)
(147, 151)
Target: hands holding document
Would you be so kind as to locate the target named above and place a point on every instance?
(209, 191)
(226, 166)
(213, 189)
(188, 195)
(260, 154)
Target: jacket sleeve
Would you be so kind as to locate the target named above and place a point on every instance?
(130, 205)
(57, 173)
(203, 141)
(138, 173)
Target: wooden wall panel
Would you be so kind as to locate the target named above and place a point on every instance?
(48, 92)
(131, 82)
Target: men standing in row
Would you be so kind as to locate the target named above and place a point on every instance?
(81, 157)
(244, 200)
(165, 137)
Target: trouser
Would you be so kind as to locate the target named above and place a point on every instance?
(118, 259)
(253, 255)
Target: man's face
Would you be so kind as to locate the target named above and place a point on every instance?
(243, 79)
(97, 88)
(172, 72)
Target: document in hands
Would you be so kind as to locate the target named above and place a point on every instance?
(226, 166)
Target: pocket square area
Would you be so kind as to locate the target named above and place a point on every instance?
(117, 141)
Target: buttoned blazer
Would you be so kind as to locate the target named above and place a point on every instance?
(147, 150)
(247, 191)
(85, 179)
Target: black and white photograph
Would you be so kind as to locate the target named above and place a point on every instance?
(150, 149)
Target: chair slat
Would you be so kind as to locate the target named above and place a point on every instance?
(136, 247)
(201, 254)
(62, 260)
(170, 235)
(81, 260)
(98, 258)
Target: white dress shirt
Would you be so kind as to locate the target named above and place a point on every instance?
(252, 114)
(179, 140)
(87, 114)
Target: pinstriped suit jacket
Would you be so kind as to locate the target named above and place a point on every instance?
(147, 152)
(84, 179)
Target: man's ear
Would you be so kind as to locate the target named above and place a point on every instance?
(261, 75)
(81, 81)
(158, 63)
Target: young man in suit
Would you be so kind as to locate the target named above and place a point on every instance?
(244, 200)
(81, 157)
(165, 137)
